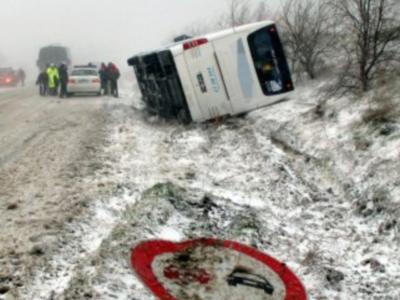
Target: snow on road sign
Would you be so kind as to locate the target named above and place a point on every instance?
(209, 269)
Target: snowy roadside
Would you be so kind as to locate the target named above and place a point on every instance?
(117, 188)
(48, 147)
(4, 90)
(280, 179)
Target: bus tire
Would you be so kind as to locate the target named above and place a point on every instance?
(184, 117)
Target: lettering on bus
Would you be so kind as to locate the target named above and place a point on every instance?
(202, 84)
(214, 79)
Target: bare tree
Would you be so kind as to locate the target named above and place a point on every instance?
(261, 12)
(307, 32)
(370, 32)
(198, 28)
(239, 13)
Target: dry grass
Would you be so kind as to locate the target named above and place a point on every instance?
(382, 109)
(312, 257)
(384, 103)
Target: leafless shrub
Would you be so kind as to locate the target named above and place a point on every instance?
(307, 34)
(239, 13)
(382, 105)
(379, 114)
(197, 29)
(262, 12)
(369, 36)
(375, 200)
(312, 257)
(361, 142)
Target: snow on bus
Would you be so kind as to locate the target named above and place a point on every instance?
(220, 74)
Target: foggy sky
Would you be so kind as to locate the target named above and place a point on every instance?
(96, 30)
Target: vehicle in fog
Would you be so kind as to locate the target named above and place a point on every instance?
(224, 73)
(53, 55)
(84, 79)
(8, 77)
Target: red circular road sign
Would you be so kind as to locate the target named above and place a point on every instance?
(213, 269)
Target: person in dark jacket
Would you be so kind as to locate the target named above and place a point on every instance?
(104, 78)
(63, 78)
(113, 75)
(43, 83)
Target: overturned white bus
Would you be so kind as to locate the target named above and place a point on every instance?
(223, 73)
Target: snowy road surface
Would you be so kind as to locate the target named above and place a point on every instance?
(82, 180)
(47, 147)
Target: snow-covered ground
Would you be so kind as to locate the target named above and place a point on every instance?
(318, 188)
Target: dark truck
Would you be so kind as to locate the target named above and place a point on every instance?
(53, 55)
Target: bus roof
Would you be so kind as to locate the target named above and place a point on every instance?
(176, 48)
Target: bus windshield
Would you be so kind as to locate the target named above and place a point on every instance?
(270, 61)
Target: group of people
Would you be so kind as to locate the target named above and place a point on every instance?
(53, 80)
(109, 75)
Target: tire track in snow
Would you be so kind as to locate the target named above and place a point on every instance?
(82, 239)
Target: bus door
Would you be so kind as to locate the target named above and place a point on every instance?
(205, 73)
(236, 66)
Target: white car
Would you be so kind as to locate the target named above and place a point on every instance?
(84, 80)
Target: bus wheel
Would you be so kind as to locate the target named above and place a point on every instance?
(184, 117)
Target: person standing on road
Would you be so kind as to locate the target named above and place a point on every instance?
(54, 77)
(21, 76)
(63, 75)
(43, 82)
(113, 75)
(104, 78)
